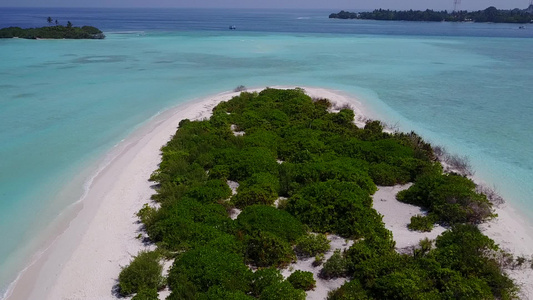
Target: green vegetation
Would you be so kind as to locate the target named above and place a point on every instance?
(490, 14)
(422, 223)
(146, 294)
(352, 290)
(265, 250)
(460, 267)
(221, 294)
(206, 267)
(270, 234)
(327, 168)
(142, 274)
(282, 291)
(302, 280)
(264, 278)
(336, 206)
(53, 32)
(319, 260)
(449, 198)
(312, 245)
(336, 266)
(267, 219)
(260, 188)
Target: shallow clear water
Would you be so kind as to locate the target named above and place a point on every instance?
(63, 103)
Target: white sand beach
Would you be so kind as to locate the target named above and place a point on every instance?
(512, 233)
(86, 256)
(397, 215)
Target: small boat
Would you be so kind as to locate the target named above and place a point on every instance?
(232, 27)
(522, 27)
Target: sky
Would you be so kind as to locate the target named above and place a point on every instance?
(304, 4)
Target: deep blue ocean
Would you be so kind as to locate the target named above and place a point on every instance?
(65, 103)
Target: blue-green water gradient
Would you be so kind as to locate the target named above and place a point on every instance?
(63, 104)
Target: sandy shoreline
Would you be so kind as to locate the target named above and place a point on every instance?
(85, 259)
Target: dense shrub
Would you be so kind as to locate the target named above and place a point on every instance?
(334, 206)
(422, 223)
(264, 278)
(182, 288)
(373, 130)
(344, 117)
(465, 249)
(189, 223)
(459, 267)
(311, 245)
(302, 280)
(393, 274)
(251, 196)
(399, 285)
(451, 198)
(227, 243)
(300, 145)
(147, 215)
(219, 172)
(472, 245)
(264, 138)
(211, 191)
(144, 272)
(250, 161)
(422, 150)
(282, 291)
(264, 181)
(297, 175)
(369, 248)
(335, 266)
(267, 219)
(206, 267)
(218, 293)
(146, 294)
(351, 290)
(264, 249)
(387, 175)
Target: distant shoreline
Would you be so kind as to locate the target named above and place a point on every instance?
(488, 15)
(53, 33)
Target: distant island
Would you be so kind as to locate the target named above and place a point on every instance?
(53, 32)
(490, 14)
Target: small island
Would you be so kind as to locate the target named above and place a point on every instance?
(488, 15)
(53, 32)
(274, 196)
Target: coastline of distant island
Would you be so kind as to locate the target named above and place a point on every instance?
(488, 15)
(53, 32)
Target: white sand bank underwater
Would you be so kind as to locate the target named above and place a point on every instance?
(86, 256)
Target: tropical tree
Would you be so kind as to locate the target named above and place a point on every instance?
(49, 20)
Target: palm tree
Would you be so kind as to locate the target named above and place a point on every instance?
(69, 25)
(57, 23)
(49, 20)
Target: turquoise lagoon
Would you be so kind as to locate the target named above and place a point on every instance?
(64, 104)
